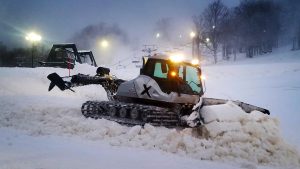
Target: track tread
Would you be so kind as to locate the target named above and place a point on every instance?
(156, 116)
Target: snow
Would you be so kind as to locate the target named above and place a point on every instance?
(254, 137)
(27, 152)
(274, 86)
(39, 128)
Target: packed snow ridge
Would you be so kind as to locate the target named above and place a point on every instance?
(229, 132)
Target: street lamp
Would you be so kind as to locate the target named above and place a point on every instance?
(157, 35)
(104, 44)
(33, 38)
(192, 34)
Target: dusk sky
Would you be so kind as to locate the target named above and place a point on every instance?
(58, 21)
(135, 22)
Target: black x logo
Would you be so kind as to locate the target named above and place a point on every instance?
(146, 90)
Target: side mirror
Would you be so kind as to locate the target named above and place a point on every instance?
(141, 71)
(145, 59)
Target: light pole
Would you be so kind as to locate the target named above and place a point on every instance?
(192, 35)
(214, 43)
(33, 38)
(195, 45)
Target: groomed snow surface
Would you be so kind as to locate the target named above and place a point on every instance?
(41, 129)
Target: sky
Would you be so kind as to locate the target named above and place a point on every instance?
(59, 21)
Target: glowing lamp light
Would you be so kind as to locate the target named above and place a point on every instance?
(192, 34)
(176, 58)
(33, 37)
(157, 35)
(104, 43)
(207, 39)
(202, 77)
(195, 62)
(173, 73)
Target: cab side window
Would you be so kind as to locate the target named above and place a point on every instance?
(159, 70)
(192, 78)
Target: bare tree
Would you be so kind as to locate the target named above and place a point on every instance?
(208, 25)
(199, 36)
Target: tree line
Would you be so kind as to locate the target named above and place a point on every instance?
(254, 27)
(22, 56)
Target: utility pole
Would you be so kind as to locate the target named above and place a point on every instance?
(149, 49)
(195, 45)
(32, 50)
(33, 38)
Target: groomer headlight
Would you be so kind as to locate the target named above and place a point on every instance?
(176, 57)
(195, 62)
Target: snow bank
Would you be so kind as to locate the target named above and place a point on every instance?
(248, 138)
(230, 133)
(252, 137)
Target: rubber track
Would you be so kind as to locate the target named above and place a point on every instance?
(156, 116)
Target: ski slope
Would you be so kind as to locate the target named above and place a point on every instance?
(41, 129)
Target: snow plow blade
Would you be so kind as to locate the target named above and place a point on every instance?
(245, 106)
(56, 80)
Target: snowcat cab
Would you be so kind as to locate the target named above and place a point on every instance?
(163, 80)
(181, 77)
(65, 56)
(86, 56)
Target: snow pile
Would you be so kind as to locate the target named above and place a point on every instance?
(238, 137)
(253, 137)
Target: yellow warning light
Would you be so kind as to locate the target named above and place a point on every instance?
(173, 73)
